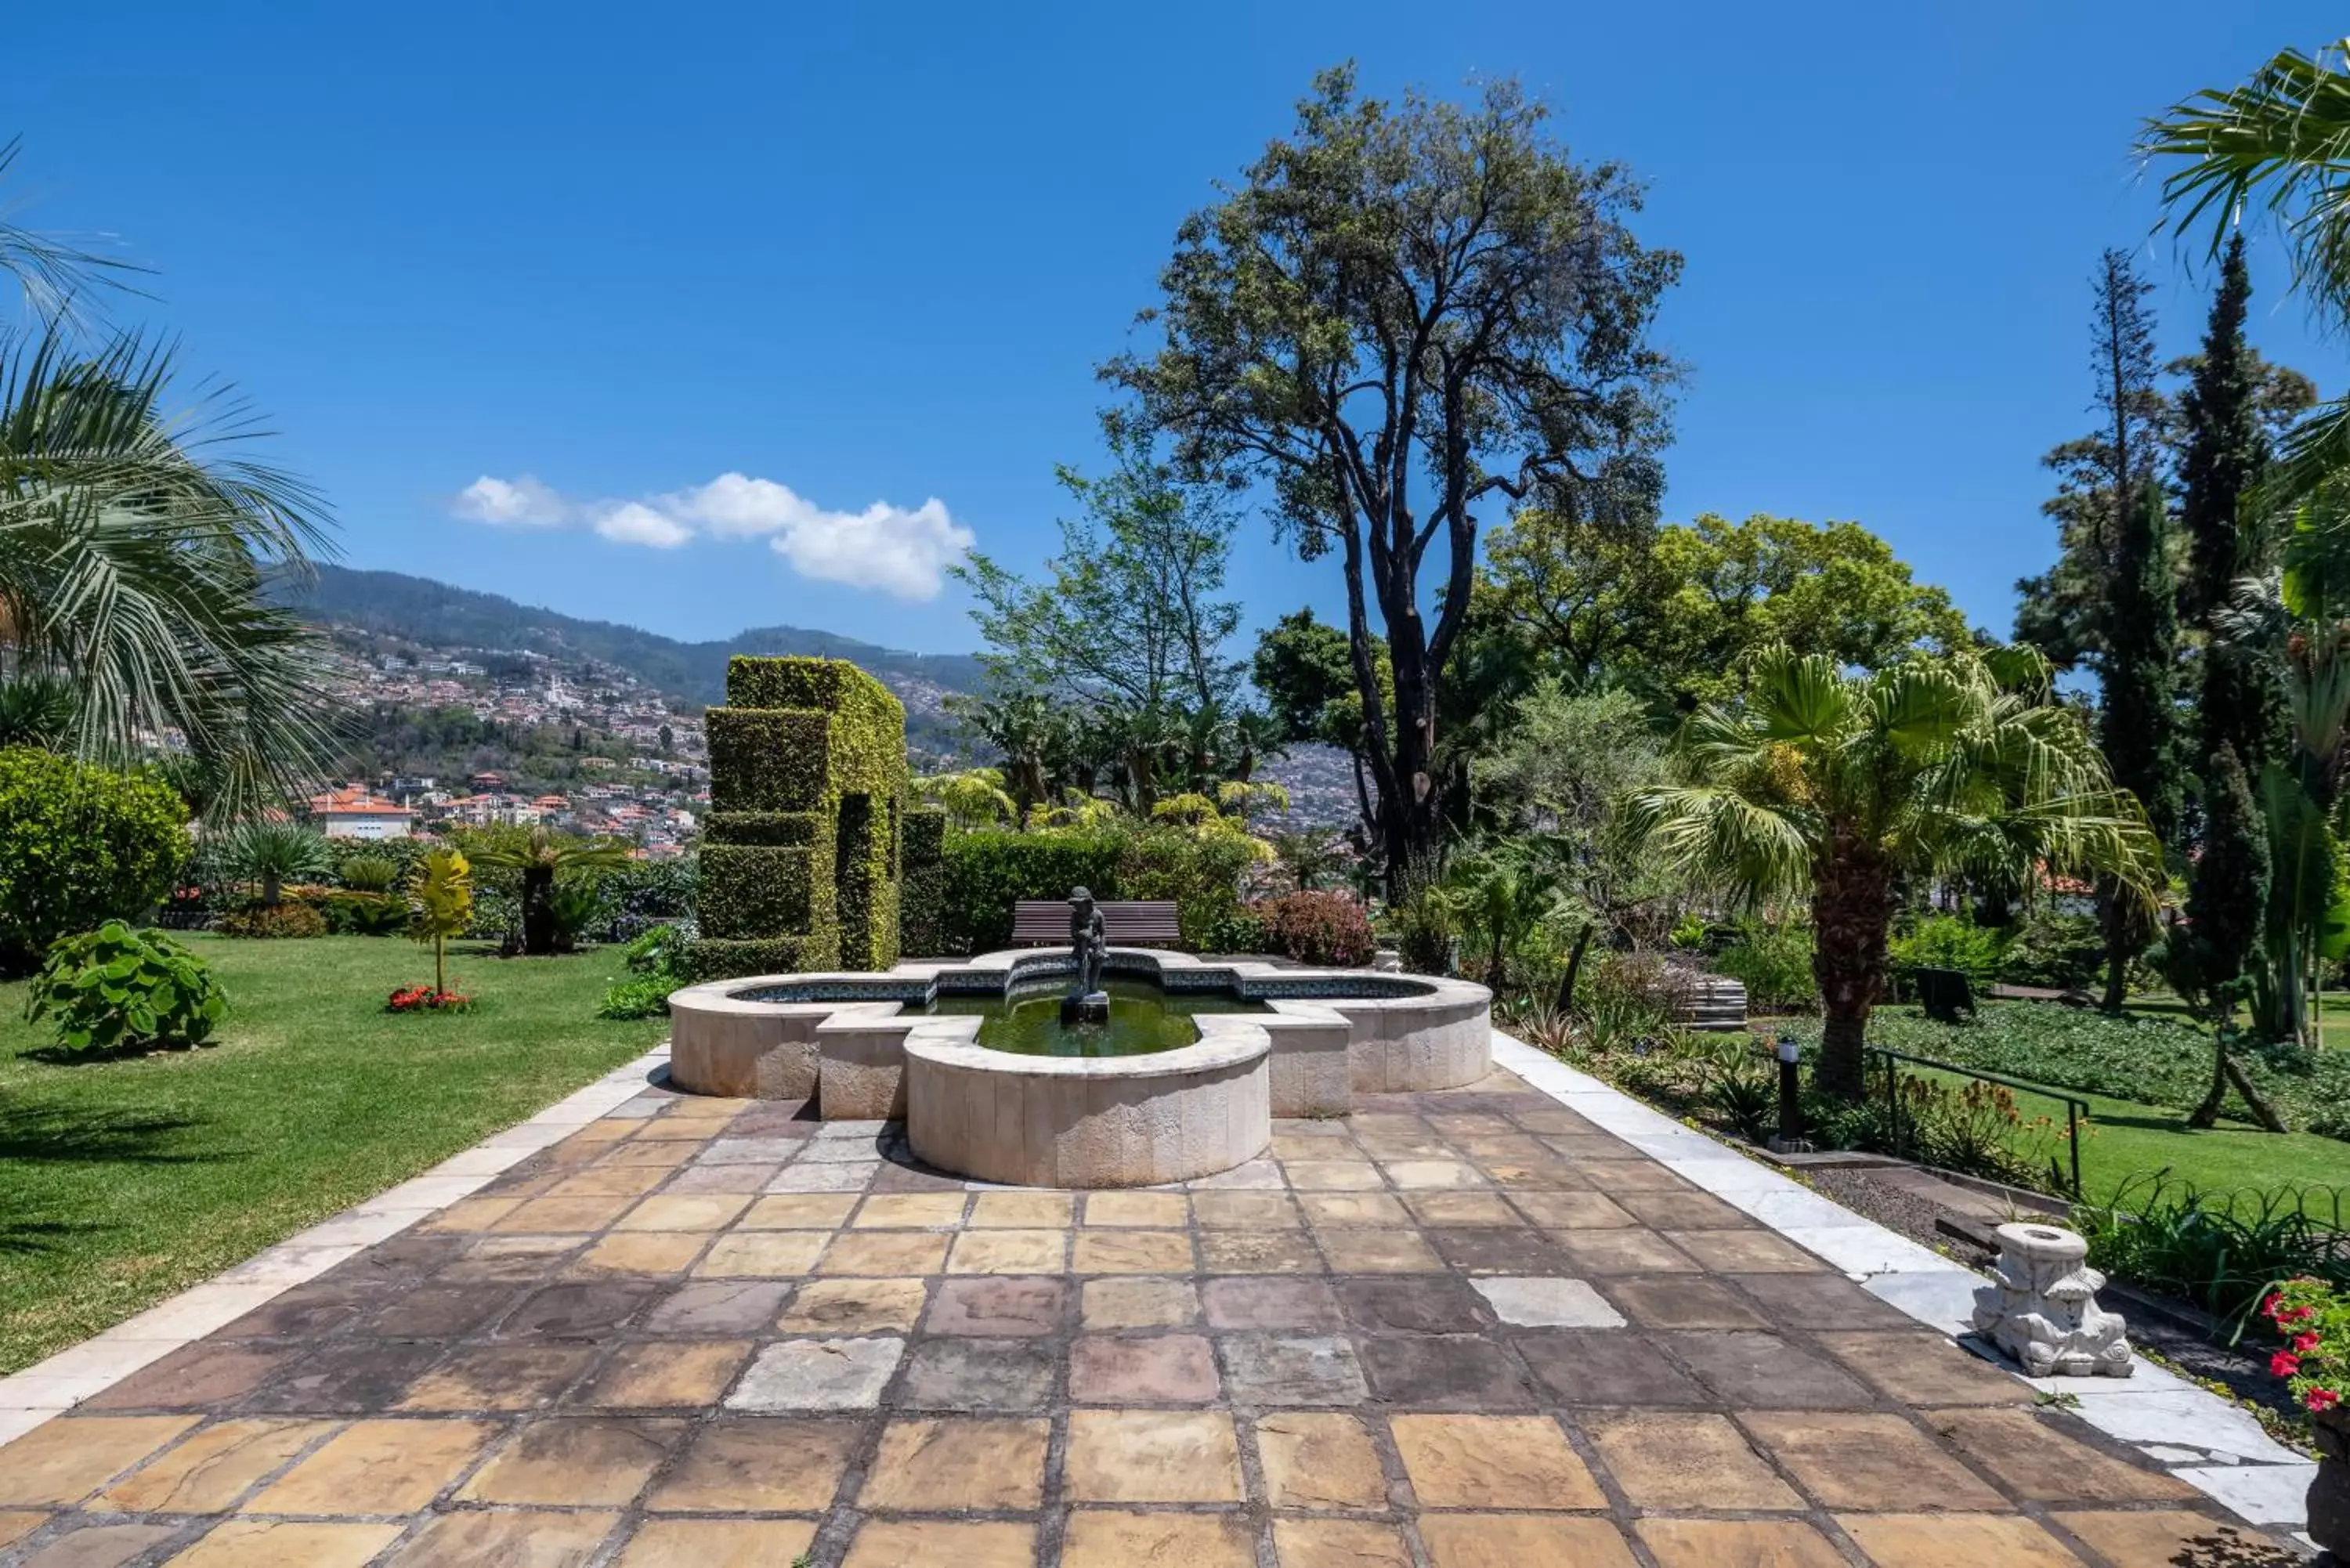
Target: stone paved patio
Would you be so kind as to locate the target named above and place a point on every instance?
(1461, 1330)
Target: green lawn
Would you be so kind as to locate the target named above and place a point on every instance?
(123, 1183)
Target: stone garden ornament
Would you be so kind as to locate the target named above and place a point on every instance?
(1088, 950)
(2044, 1308)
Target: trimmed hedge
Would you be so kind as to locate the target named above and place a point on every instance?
(800, 853)
(986, 873)
(922, 885)
(79, 845)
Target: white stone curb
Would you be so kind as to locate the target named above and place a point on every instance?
(2199, 1438)
(83, 1371)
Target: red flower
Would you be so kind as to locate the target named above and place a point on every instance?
(2273, 1307)
(2284, 1364)
(2320, 1399)
(2305, 1341)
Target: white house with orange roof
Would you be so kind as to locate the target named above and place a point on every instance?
(356, 812)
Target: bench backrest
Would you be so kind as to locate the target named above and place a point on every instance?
(1943, 993)
(1045, 923)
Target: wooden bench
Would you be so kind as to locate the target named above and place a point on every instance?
(1045, 923)
(1944, 993)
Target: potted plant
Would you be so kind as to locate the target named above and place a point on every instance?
(2313, 1319)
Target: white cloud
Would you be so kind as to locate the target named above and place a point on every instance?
(899, 551)
(520, 502)
(634, 523)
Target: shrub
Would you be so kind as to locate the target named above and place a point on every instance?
(369, 873)
(1952, 941)
(1325, 928)
(1239, 929)
(922, 885)
(271, 853)
(1199, 869)
(2064, 951)
(79, 845)
(2222, 1250)
(367, 914)
(1425, 932)
(272, 921)
(1775, 965)
(115, 989)
(988, 872)
(1630, 998)
(2314, 1320)
(639, 996)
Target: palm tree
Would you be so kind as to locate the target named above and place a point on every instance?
(2280, 140)
(541, 854)
(136, 550)
(271, 853)
(1502, 899)
(1838, 785)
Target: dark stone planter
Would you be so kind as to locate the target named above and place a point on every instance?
(2329, 1494)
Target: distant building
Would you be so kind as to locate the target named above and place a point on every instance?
(353, 813)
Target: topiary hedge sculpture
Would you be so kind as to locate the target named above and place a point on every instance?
(800, 852)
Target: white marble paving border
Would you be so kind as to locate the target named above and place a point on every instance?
(53, 1386)
(2204, 1440)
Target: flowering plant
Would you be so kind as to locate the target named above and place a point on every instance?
(426, 999)
(2314, 1320)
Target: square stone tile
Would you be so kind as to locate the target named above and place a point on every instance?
(694, 1211)
(209, 1372)
(824, 1150)
(1023, 1211)
(1513, 1540)
(1396, 1252)
(1294, 1369)
(303, 1313)
(574, 1462)
(1737, 1544)
(1244, 1211)
(1666, 1460)
(646, 1152)
(609, 1182)
(499, 1377)
(1763, 1371)
(802, 1176)
(998, 1308)
(1151, 1456)
(717, 1542)
(1258, 1252)
(1174, 1368)
(2172, 1537)
(1684, 1211)
(1926, 1369)
(586, 1310)
(1333, 1176)
(1820, 1300)
(1271, 1302)
(761, 1255)
(1492, 1250)
(1338, 1210)
(1338, 1544)
(540, 1538)
(1320, 1461)
(1572, 1210)
(2040, 1460)
(15, 1525)
(743, 1179)
(970, 1374)
(1462, 1210)
(1955, 1541)
(927, 1465)
(286, 1543)
(377, 1467)
(1109, 1538)
(1863, 1459)
(798, 1211)
(1139, 1211)
(910, 1211)
(1259, 1175)
(668, 1373)
(1443, 1304)
(544, 1215)
(750, 1150)
(1118, 1251)
(717, 1307)
(854, 1306)
(1682, 1300)
(1448, 1371)
(1537, 1302)
(923, 1544)
(1607, 1366)
(99, 1546)
(472, 1214)
(1752, 1250)
(1139, 1300)
(1622, 1251)
(818, 1374)
(1643, 1175)
(1009, 1252)
(347, 1378)
(1493, 1461)
(641, 1252)
(884, 1252)
(1429, 1175)
(211, 1470)
(751, 1464)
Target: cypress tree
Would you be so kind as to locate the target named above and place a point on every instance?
(2227, 893)
(2223, 452)
(2139, 721)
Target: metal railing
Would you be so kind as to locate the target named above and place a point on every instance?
(2076, 1109)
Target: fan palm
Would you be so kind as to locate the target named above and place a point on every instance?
(1835, 785)
(541, 856)
(2281, 141)
(1501, 900)
(271, 853)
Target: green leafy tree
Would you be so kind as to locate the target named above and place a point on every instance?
(1405, 314)
(2138, 718)
(79, 845)
(1834, 786)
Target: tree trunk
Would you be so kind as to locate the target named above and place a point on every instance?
(2262, 1112)
(273, 891)
(1851, 916)
(537, 911)
(2206, 1115)
(2126, 935)
(1574, 966)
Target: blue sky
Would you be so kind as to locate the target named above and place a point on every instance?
(866, 257)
